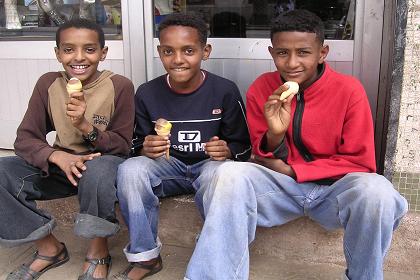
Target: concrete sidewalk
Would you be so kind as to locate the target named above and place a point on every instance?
(175, 260)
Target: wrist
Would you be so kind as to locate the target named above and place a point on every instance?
(91, 136)
(229, 154)
(272, 141)
(53, 156)
(276, 137)
(85, 128)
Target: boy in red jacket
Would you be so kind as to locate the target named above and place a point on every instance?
(313, 156)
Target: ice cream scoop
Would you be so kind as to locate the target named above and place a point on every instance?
(163, 128)
(293, 89)
(74, 85)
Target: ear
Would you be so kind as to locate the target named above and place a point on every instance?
(159, 49)
(57, 54)
(323, 53)
(104, 53)
(271, 50)
(207, 51)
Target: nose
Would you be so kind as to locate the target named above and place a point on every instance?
(178, 59)
(293, 61)
(79, 55)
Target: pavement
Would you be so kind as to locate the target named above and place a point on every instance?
(175, 259)
(298, 250)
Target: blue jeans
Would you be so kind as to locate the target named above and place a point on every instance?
(141, 182)
(242, 196)
(22, 184)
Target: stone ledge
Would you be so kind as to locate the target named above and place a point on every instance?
(300, 241)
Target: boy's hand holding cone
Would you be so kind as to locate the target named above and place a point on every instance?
(163, 128)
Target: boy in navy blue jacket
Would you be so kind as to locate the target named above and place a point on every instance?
(208, 127)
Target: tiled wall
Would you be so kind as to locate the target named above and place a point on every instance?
(407, 162)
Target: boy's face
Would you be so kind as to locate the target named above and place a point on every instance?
(181, 52)
(297, 56)
(80, 53)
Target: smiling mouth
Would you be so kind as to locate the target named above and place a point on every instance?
(179, 69)
(294, 73)
(79, 69)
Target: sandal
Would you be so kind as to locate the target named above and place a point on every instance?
(153, 269)
(88, 275)
(25, 273)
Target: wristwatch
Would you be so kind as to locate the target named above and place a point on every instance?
(92, 136)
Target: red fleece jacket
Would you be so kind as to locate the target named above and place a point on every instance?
(336, 128)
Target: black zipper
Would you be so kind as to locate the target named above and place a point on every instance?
(297, 127)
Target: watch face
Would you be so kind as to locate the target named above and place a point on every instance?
(93, 135)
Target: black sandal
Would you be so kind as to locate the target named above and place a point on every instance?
(88, 275)
(153, 269)
(25, 273)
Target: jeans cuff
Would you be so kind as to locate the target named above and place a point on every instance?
(143, 256)
(37, 234)
(88, 226)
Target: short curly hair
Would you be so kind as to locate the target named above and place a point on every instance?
(298, 20)
(186, 19)
(80, 23)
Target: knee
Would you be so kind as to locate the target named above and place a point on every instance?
(100, 174)
(232, 171)
(103, 166)
(232, 178)
(9, 164)
(4, 166)
(136, 166)
(131, 175)
(376, 194)
(231, 189)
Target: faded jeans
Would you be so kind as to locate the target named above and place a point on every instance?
(21, 184)
(242, 196)
(141, 182)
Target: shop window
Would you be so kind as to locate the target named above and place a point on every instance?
(251, 18)
(39, 19)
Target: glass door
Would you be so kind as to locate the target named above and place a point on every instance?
(239, 34)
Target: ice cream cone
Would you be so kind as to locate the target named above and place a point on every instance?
(74, 85)
(293, 89)
(163, 128)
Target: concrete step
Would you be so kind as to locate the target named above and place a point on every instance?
(300, 242)
(175, 259)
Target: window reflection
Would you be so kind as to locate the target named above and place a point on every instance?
(251, 18)
(40, 18)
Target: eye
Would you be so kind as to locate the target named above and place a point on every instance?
(167, 52)
(189, 51)
(90, 50)
(67, 50)
(281, 53)
(303, 52)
